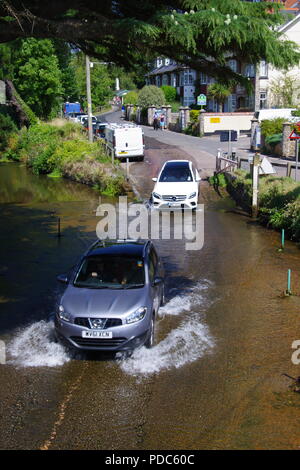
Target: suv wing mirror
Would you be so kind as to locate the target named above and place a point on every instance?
(63, 278)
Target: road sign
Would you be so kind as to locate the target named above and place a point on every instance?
(295, 134)
(201, 100)
(224, 136)
(266, 167)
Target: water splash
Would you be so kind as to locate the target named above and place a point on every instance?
(183, 300)
(183, 345)
(34, 346)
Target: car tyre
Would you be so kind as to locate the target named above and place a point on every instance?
(151, 337)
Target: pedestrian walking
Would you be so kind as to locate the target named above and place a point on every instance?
(162, 121)
(155, 121)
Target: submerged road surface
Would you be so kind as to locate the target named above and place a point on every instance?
(214, 378)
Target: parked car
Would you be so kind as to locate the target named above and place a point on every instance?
(176, 186)
(74, 116)
(112, 297)
(84, 117)
(98, 128)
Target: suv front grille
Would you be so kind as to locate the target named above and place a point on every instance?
(177, 198)
(98, 342)
(110, 322)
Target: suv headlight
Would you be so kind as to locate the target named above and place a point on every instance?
(192, 195)
(137, 315)
(157, 196)
(63, 315)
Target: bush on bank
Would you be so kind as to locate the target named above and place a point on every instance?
(279, 201)
(61, 149)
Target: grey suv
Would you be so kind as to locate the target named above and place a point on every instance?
(112, 297)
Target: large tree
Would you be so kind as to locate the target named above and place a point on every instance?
(200, 33)
(37, 76)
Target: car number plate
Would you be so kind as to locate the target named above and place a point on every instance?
(174, 204)
(123, 152)
(96, 334)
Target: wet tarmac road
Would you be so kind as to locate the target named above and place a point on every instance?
(213, 380)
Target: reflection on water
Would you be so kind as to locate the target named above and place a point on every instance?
(22, 187)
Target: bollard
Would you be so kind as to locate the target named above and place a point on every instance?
(282, 239)
(288, 291)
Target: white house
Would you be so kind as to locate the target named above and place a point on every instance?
(187, 81)
(289, 31)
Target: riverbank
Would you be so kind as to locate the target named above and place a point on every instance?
(60, 149)
(279, 200)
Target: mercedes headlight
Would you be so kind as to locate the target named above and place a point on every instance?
(63, 315)
(137, 315)
(157, 196)
(192, 195)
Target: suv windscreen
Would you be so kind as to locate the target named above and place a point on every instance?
(176, 174)
(110, 271)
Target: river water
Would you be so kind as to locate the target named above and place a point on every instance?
(214, 378)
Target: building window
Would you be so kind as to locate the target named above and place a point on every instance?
(233, 65)
(249, 70)
(165, 79)
(233, 103)
(263, 100)
(203, 79)
(263, 69)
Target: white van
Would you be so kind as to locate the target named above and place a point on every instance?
(263, 114)
(125, 140)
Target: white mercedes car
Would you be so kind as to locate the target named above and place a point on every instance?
(176, 186)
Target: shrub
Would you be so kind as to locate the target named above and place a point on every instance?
(7, 127)
(296, 112)
(131, 98)
(194, 115)
(169, 92)
(151, 95)
(274, 139)
(175, 105)
(270, 127)
(60, 150)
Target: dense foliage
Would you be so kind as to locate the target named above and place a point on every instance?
(270, 127)
(169, 92)
(60, 149)
(200, 33)
(7, 130)
(279, 201)
(131, 98)
(38, 77)
(151, 95)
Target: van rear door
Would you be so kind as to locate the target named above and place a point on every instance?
(129, 142)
